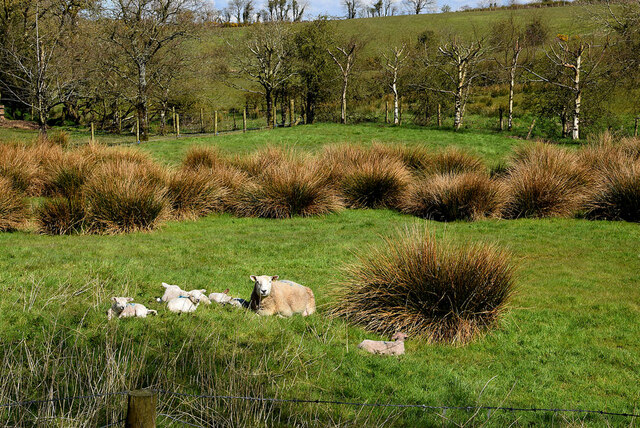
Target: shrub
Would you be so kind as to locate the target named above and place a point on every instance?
(545, 181)
(427, 289)
(287, 189)
(195, 193)
(123, 196)
(61, 216)
(448, 197)
(617, 194)
(13, 209)
(18, 165)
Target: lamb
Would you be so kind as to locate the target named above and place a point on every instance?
(171, 292)
(185, 303)
(283, 298)
(385, 348)
(201, 296)
(122, 307)
(224, 299)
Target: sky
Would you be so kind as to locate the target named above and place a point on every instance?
(334, 8)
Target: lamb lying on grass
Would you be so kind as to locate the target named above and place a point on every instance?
(122, 307)
(201, 296)
(283, 298)
(171, 292)
(224, 299)
(385, 348)
(185, 303)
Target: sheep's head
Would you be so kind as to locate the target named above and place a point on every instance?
(399, 336)
(119, 303)
(198, 293)
(221, 298)
(195, 299)
(262, 284)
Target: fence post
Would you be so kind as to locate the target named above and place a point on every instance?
(93, 135)
(244, 120)
(439, 117)
(137, 129)
(274, 114)
(175, 129)
(141, 409)
(202, 119)
(177, 125)
(386, 111)
(635, 127)
(291, 107)
(215, 122)
(501, 119)
(531, 129)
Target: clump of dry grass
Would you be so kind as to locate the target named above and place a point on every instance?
(449, 197)
(285, 189)
(123, 196)
(18, 164)
(425, 288)
(13, 209)
(454, 161)
(255, 164)
(61, 216)
(617, 194)
(195, 193)
(545, 181)
(99, 154)
(202, 157)
(64, 175)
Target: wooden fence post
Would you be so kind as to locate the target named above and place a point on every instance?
(439, 117)
(93, 134)
(177, 124)
(244, 120)
(501, 118)
(137, 129)
(201, 119)
(215, 122)
(531, 129)
(635, 127)
(141, 409)
(386, 111)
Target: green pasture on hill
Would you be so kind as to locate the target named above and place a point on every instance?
(571, 338)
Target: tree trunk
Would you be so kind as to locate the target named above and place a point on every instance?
(343, 111)
(512, 84)
(267, 95)
(575, 133)
(142, 101)
(396, 112)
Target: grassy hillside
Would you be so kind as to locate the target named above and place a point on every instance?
(570, 339)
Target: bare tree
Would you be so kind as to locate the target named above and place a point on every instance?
(458, 61)
(389, 7)
(352, 7)
(344, 57)
(419, 6)
(266, 62)
(576, 60)
(141, 30)
(394, 61)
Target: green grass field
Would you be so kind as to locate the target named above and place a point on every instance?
(571, 338)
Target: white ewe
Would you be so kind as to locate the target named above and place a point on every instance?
(383, 347)
(184, 303)
(201, 296)
(121, 307)
(283, 298)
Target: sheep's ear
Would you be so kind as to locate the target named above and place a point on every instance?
(253, 278)
(203, 291)
(129, 299)
(114, 299)
(275, 277)
(226, 291)
(165, 285)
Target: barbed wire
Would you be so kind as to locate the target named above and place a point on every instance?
(173, 418)
(52, 400)
(420, 406)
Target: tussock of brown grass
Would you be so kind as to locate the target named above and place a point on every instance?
(287, 188)
(123, 196)
(430, 290)
(64, 175)
(617, 194)
(202, 157)
(195, 193)
(61, 216)
(98, 154)
(13, 209)
(455, 161)
(449, 197)
(18, 164)
(545, 181)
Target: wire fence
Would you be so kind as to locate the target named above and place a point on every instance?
(425, 407)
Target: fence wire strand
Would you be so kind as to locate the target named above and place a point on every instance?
(58, 399)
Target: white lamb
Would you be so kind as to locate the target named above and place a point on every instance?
(170, 292)
(121, 307)
(383, 347)
(224, 299)
(185, 303)
(201, 296)
(282, 298)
